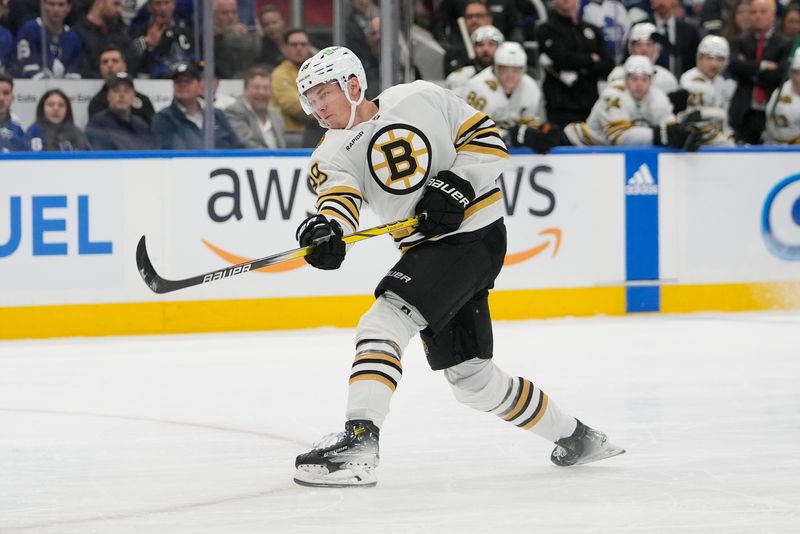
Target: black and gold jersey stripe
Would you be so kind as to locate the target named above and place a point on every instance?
(615, 129)
(343, 203)
(480, 134)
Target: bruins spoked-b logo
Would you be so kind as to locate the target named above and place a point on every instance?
(399, 158)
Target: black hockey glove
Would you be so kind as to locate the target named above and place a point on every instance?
(327, 236)
(445, 199)
(679, 99)
(683, 135)
(542, 139)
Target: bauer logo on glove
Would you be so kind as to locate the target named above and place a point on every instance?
(448, 189)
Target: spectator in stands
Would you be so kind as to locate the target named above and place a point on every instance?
(738, 21)
(236, 48)
(7, 50)
(135, 13)
(633, 114)
(272, 28)
(64, 48)
(679, 38)
(117, 127)
(111, 63)
(476, 14)
(758, 61)
(102, 27)
(575, 57)
(54, 129)
(285, 95)
(179, 126)
(783, 109)
(613, 19)
(163, 41)
(790, 22)
(359, 37)
(12, 137)
(255, 123)
(502, 14)
(485, 41)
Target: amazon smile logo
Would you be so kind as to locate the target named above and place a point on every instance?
(552, 238)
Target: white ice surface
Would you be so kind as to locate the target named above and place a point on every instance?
(196, 434)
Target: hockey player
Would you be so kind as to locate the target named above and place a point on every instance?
(709, 92)
(63, 56)
(417, 149)
(644, 41)
(513, 100)
(485, 41)
(634, 113)
(783, 109)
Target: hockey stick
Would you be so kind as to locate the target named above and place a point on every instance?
(161, 285)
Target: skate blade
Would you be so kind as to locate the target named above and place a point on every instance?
(609, 451)
(317, 476)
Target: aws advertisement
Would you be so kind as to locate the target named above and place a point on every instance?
(69, 227)
(565, 227)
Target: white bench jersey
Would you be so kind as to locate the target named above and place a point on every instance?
(617, 119)
(523, 106)
(711, 97)
(783, 116)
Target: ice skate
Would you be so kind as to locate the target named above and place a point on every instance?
(583, 446)
(341, 460)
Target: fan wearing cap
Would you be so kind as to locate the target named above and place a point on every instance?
(179, 126)
(485, 41)
(644, 40)
(111, 62)
(512, 99)
(709, 92)
(783, 109)
(118, 128)
(634, 114)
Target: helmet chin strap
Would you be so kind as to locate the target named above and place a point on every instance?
(353, 106)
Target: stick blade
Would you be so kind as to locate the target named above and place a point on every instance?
(146, 269)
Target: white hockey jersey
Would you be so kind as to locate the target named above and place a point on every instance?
(420, 129)
(662, 78)
(783, 116)
(711, 98)
(523, 106)
(457, 80)
(617, 119)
